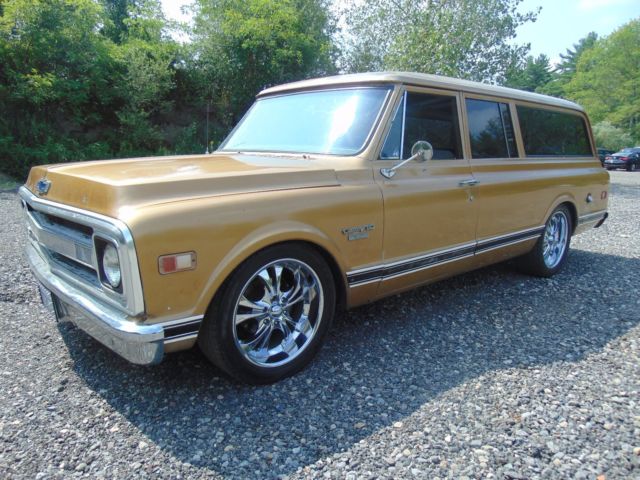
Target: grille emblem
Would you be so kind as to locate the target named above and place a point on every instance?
(43, 186)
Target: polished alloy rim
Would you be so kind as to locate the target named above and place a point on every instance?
(278, 313)
(555, 239)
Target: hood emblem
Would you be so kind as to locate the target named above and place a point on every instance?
(43, 186)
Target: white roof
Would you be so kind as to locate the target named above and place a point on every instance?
(422, 80)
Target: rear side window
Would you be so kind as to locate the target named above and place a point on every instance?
(550, 133)
(490, 129)
(429, 117)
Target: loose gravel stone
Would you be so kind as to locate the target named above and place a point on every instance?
(491, 374)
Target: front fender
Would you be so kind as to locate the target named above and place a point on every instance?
(224, 231)
(263, 237)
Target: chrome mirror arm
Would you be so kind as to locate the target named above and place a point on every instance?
(421, 150)
(390, 172)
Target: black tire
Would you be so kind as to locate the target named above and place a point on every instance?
(221, 337)
(632, 166)
(534, 262)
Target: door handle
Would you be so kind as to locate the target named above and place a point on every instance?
(468, 183)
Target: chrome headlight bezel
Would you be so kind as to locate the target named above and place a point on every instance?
(110, 264)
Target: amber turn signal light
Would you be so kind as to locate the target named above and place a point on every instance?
(176, 262)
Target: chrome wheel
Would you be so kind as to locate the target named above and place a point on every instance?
(278, 313)
(555, 239)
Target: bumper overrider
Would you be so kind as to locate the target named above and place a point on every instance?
(115, 319)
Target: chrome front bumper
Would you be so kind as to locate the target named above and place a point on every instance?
(138, 343)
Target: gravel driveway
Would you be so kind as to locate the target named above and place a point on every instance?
(492, 374)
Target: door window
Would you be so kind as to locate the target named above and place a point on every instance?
(429, 117)
(490, 129)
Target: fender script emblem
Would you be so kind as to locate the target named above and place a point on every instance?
(357, 233)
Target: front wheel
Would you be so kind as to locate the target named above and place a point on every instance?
(270, 317)
(550, 251)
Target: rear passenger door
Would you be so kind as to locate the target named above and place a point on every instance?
(526, 158)
(429, 213)
(508, 192)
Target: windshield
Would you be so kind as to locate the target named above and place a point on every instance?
(336, 122)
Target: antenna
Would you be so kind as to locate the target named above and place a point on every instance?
(206, 150)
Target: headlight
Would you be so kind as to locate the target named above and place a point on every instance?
(111, 266)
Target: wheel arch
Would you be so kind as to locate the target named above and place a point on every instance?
(574, 215)
(569, 202)
(256, 243)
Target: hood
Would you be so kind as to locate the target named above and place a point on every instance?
(107, 186)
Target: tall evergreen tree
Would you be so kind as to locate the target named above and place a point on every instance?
(569, 60)
(607, 79)
(532, 76)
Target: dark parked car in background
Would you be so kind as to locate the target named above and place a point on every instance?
(602, 154)
(627, 158)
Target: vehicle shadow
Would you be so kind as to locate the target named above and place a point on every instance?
(380, 363)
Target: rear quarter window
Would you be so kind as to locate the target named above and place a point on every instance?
(549, 133)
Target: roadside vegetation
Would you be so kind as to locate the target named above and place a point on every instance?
(601, 74)
(89, 79)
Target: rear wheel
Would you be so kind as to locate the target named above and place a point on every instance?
(633, 166)
(550, 251)
(270, 317)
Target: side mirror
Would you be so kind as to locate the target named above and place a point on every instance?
(421, 151)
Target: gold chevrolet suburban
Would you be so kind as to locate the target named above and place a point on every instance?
(329, 193)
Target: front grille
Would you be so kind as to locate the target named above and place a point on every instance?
(65, 239)
(69, 243)
(76, 269)
(72, 229)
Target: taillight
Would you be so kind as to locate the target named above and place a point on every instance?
(624, 159)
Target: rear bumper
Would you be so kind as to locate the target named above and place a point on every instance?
(615, 164)
(140, 344)
(590, 220)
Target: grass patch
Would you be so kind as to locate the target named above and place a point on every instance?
(8, 183)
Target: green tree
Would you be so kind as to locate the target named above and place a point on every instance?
(531, 75)
(242, 46)
(116, 12)
(146, 56)
(569, 60)
(611, 137)
(564, 72)
(607, 79)
(69, 92)
(462, 38)
(54, 79)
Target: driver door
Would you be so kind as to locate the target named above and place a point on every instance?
(429, 211)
